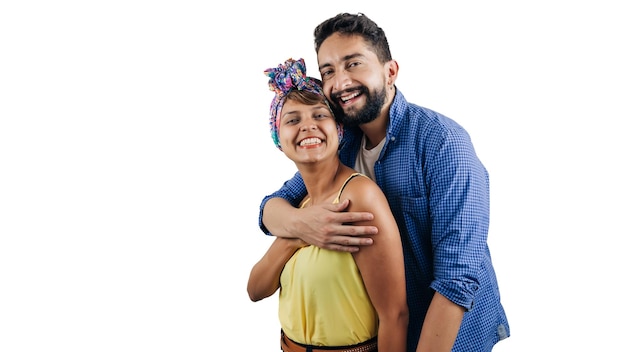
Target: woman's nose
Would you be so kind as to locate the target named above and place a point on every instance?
(311, 125)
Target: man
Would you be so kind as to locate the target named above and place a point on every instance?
(437, 188)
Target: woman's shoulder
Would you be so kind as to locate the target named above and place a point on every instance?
(361, 190)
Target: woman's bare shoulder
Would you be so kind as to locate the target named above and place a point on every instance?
(363, 193)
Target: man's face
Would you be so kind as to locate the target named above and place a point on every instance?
(353, 79)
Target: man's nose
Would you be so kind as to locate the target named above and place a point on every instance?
(341, 80)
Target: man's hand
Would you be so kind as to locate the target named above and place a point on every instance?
(325, 226)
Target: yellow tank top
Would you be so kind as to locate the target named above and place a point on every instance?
(323, 300)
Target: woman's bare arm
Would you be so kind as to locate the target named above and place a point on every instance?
(382, 264)
(264, 277)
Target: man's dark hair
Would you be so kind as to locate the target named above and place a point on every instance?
(355, 24)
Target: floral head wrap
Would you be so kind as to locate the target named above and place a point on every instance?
(283, 79)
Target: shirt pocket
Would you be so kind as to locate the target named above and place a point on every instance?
(415, 215)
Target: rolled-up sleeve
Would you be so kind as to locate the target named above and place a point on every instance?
(459, 202)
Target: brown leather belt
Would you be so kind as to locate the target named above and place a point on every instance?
(288, 345)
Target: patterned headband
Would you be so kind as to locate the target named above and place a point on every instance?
(283, 79)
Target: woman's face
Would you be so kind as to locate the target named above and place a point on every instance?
(308, 133)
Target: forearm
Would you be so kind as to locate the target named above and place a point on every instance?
(277, 212)
(324, 225)
(392, 334)
(265, 275)
(441, 325)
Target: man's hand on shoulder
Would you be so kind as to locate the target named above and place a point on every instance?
(328, 226)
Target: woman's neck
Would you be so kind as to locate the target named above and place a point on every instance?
(323, 180)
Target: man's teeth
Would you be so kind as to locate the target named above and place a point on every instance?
(346, 98)
(310, 141)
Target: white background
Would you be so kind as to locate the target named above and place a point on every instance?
(135, 150)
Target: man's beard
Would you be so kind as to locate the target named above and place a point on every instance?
(368, 113)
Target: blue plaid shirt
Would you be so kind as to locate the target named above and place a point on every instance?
(439, 194)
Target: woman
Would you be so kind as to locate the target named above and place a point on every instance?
(335, 300)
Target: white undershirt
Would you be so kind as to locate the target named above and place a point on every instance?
(366, 159)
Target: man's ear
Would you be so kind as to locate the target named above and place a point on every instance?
(391, 69)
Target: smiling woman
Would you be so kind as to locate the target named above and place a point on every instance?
(364, 292)
(303, 124)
